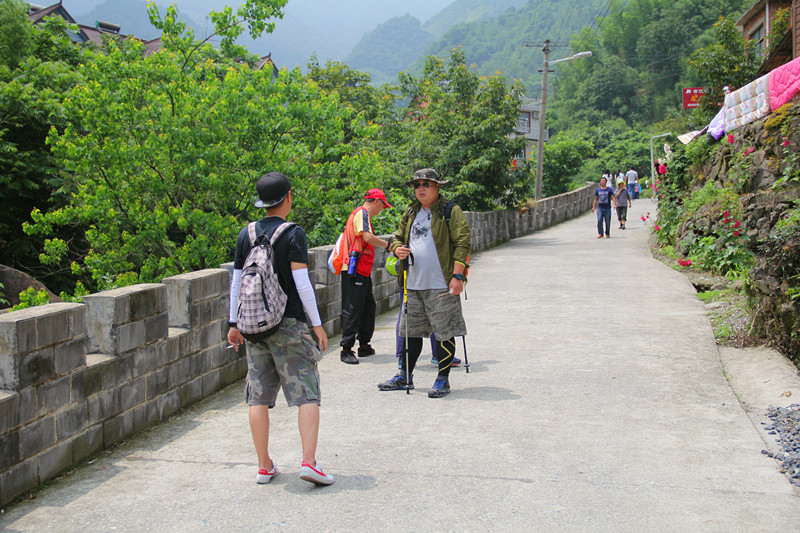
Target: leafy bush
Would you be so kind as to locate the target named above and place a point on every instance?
(31, 298)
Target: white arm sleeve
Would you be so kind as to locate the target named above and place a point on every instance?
(306, 292)
(236, 282)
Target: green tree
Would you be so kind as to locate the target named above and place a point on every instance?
(163, 153)
(16, 34)
(32, 90)
(731, 61)
(458, 123)
(563, 159)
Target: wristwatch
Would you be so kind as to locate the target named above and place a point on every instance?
(459, 277)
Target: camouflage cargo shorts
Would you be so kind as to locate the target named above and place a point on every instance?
(287, 359)
(428, 314)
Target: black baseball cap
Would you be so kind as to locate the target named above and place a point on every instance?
(272, 189)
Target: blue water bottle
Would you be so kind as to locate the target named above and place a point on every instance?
(351, 267)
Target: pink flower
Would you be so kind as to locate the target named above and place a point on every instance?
(785, 141)
(657, 228)
(736, 233)
(644, 219)
(749, 151)
(727, 220)
(737, 224)
(730, 138)
(726, 214)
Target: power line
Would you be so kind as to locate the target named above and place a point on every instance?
(599, 16)
(560, 32)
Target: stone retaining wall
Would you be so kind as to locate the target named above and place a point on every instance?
(487, 230)
(77, 378)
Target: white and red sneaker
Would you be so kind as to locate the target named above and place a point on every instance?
(265, 476)
(314, 474)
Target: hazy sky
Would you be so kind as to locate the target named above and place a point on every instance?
(329, 28)
(371, 12)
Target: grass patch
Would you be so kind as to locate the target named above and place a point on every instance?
(725, 301)
(710, 296)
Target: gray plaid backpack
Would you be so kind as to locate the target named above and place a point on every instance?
(262, 301)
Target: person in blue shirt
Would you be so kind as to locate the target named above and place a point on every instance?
(603, 200)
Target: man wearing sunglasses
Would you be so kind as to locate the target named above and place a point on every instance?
(434, 234)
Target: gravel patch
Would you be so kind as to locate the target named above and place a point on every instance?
(786, 426)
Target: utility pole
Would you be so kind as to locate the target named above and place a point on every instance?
(542, 104)
(542, 108)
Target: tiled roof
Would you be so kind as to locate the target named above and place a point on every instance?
(88, 33)
(265, 63)
(55, 9)
(153, 46)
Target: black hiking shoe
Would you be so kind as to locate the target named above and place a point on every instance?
(441, 387)
(397, 383)
(365, 350)
(347, 356)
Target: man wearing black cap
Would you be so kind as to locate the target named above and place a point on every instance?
(358, 302)
(288, 358)
(435, 234)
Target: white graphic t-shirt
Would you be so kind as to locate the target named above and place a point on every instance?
(426, 272)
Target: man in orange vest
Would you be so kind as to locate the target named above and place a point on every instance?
(358, 303)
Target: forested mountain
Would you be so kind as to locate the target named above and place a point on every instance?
(401, 41)
(641, 50)
(467, 11)
(390, 48)
(498, 44)
(640, 62)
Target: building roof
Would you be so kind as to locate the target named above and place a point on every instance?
(95, 34)
(36, 13)
(87, 33)
(757, 9)
(152, 46)
(265, 63)
(530, 104)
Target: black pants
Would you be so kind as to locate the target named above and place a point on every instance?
(358, 310)
(445, 352)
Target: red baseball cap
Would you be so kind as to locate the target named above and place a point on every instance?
(376, 194)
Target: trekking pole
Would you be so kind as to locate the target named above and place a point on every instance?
(466, 359)
(405, 339)
(408, 262)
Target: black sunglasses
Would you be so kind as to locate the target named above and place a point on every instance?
(424, 184)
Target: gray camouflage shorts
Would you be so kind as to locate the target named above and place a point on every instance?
(287, 359)
(428, 314)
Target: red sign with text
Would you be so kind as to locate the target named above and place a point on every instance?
(691, 96)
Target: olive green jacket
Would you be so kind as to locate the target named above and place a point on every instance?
(452, 241)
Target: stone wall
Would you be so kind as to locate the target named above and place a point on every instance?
(78, 378)
(487, 230)
(750, 164)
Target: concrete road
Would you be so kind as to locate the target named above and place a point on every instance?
(596, 401)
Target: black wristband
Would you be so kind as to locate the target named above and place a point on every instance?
(233, 325)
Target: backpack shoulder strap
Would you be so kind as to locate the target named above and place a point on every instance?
(251, 232)
(447, 210)
(279, 231)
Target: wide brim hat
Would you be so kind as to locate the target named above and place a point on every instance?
(427, 174)
(272, 188)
